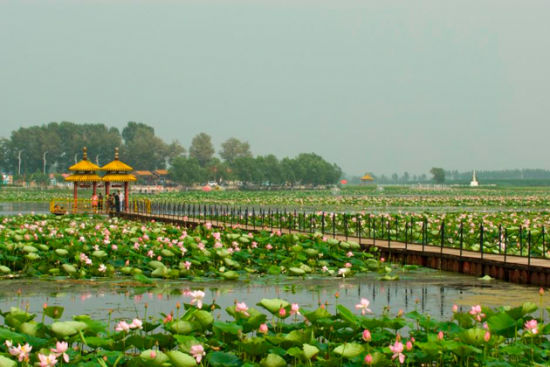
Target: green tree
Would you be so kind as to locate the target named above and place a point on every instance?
(186, 171)
(144, 150)
(270, 169)
(438, 175)
(202, 149)
(246, 170)
(233, 148)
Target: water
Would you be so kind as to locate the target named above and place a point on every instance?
(21, 207)
(424, 290)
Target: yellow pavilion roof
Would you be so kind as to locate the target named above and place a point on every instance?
(83, 177)
(119, 177)
(84, 164)
(117, 165)
(367, 177)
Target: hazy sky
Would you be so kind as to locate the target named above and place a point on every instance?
(381, 86)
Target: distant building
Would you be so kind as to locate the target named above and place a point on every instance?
(7, 179)
(474, 182)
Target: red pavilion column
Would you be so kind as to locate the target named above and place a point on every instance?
(75, 196)
(107, 188)
(126, 195)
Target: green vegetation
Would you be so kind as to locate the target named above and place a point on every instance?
(81, 247)
(277, 334)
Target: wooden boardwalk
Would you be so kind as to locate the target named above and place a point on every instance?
(517, 269)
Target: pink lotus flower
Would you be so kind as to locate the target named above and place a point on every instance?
(187, 265)
(197, 351)
(368, 359)
(282, 312)
(136, 324)
(153, 354)
(60, 350)
(487, 336)
(198, 296)
(263, 329)
(397, 350)
(409, 345)
(363, 306)
(295, 309)
(47, 361)
(242, 308)
(122, 326)
(440, 335)
(268, 246)
(532, 326)
(366, 335)
(476, 312)
(102, 268)
(208, 225)
(21, 352)
(455, 308)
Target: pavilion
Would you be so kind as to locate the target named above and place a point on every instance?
(367, 179)
(118, 172)
(84, 175)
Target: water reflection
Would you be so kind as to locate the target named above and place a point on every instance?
(426, 290)
(14, 208)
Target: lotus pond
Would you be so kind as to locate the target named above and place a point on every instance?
(275, 332)
(91, 291)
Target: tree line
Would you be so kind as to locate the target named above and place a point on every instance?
(51, 148)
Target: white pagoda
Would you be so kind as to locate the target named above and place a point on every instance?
(474, 182)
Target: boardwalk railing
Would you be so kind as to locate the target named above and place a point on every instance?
(463, 236)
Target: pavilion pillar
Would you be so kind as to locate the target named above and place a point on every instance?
(75, 196)
(126, 196)
(107, 188)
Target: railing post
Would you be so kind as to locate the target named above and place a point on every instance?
(461, 238)
(373, 231)
(505, 243)
(529, 249)
(246, 218)
(333, 225)
(358, 225)
(424, 225)
(323, 223)
(442, 230)
(500, 239)
(520, 240)
(310, 223)
(412, 230)
(406, 235)
(543, 243)
(481, 240)
(345, 226)
(389, 234)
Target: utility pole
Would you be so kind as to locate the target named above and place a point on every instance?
(19, 166)
(44, 162)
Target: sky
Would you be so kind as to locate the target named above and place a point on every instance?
(374, 86)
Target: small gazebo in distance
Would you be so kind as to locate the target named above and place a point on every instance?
(84, 175)
(367, 179)
(118, 173)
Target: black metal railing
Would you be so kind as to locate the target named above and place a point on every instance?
(419, 230)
